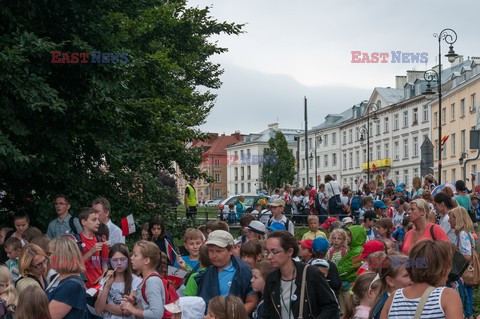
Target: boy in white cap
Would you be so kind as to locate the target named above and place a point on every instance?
(278, 207)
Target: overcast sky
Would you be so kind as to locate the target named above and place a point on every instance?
(291, 49)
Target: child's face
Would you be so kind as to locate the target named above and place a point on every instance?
(119, 262)
(337, 241)
(258, 283)
(138, 261)
(401, 208)
(193, 246)
(156, 231)
(388, 204)
(370, 223)
(145, 234)
(390, 248)
(91, 223)
(402, 280)
(382, 231)
(369, 204)
(304, 252)
(20, 225)
(249, 260)
(11, 252)
(313, 225)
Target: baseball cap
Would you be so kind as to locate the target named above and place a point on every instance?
(371, 247)
(320, 244)
(307, 243)
(379, 204)
(328, 222)
(347, 220)
(398, 189)
(320, 263)
(220, 238)
(276, 226)
(370, 215)
(189, 307)
(277, 202)
(257, 227)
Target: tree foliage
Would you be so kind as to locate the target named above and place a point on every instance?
(102, 129)
(278, 168)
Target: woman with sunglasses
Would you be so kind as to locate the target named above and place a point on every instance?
(33, 267)
(121, 282)
(283, 286)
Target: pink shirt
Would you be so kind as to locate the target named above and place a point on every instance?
(437, 231)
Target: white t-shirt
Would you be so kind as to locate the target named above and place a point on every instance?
(332, 188)
(114, 234)
(398, 219)
(115, 296)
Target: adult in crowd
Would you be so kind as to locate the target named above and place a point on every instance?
(429, 278)
(68, 299)
(63, 224)
(21, 221)
(282, 287)
(423, 229)
(333, 192)
(190, 199)
(443, 204)
(417, 189)
(32, 303)
(228, 275)
(429, 183)
(33, 268)
(102, 205)
(462, 197)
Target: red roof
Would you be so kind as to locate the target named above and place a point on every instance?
(216, 144)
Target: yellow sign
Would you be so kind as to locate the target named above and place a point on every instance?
(379, 164)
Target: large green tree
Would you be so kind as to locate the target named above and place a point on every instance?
(279, 163)
(110, 129)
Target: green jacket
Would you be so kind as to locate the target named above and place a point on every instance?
(346, 268)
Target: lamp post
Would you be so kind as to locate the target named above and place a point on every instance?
(371, 110)
(450, 37)
(318, 138)
(462, 160)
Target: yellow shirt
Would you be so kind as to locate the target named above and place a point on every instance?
(312, 235)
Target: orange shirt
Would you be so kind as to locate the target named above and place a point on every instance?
(437, 231)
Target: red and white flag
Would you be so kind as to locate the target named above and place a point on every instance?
(170, 252)
(128, 225)
(360, 182)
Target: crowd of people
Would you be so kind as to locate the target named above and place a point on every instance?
(382, 252)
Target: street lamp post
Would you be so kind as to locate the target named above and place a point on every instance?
(371, 109)
(319, 139)
(450, 37)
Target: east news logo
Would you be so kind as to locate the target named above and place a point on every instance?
(82, 57)
(382, 57)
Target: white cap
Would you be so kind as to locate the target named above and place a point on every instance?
(189, 307)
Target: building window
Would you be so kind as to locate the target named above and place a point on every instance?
(386, 128)
(217, 193)
(309, 143)
(405, 119)
(387, 151)
(370, 130)
(425, 113)
(473, 99)
(334, 138)
(444, 115)
(415, 146)
(317, 159)
(415, 116)
(236, 188)
(444, 154)
(378, 128)
(370, 153)
(303, 163)
(350, 136)
(357, 159)
(364, 155)
(242, 173)
(452, 107)
(462, 140)
(310, 162)
(334, 159)
(344, 137)
(444, 174)
(462, 107)
(454, 173)
(344, 161)
(405, 148)
(325, 140)
(435, 119)
(397, 177)
(217, 177)
(249, 187)
(379, 151)
(436, 149)
(325, 160)
(415, 172)
(249, 172)
(405, 177)
(236, 173)
(350, 160)
(242, 187)
(454, 145)
(396, 150)
(395, 122)
(474, 169)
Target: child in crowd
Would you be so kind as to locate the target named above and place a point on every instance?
(21, 221)
(390, 246)
(399, 213)
(3, 233)
(259, 276)
(8, 293)
(367, 205)
(255, 231)
(232, 216)
(369, 247)
(29, 233)
(204, 262)
(151, 292)
(158, 233)
(145, 233)
(32, 303)
(370, 218)
(257, 208)
(229, 307)
(274, 227)
(121, 282)
(13, 246)
(399, 233)
(193, 240)
(313, 225)
(251, 253)
(306, 252)
(338, 241)
(245, 221)
(388, 202)
(237, 244)
(320, 247)
(385, 230)
(362, 296)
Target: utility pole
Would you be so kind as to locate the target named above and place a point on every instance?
(306, 139)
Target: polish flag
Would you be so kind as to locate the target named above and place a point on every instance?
(170, 252)
(128, 225)
(360, 182)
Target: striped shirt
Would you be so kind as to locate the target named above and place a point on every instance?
(403, 307)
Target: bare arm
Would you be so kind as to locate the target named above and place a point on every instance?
(251, 303)
(58, 310)
(386, 307)
(451, 304)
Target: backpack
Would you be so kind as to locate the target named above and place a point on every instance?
(73, 229)
(355, 204)
(170, 293)
(287, 223)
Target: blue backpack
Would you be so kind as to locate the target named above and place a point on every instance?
(355, 205)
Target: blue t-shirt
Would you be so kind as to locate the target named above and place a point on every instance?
(191, 264)
(71, 291)
(225, 278)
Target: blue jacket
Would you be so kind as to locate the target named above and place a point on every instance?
(208, 287)
(377, 310)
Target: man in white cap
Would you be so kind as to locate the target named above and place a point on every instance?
(228, 275)
(277, 208)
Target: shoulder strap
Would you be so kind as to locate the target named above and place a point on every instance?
(330, 253)
(344, 251)
(423, 301)
(432, 233)
(187, 277)
(144, 286)
(71, 223)
(302, 292)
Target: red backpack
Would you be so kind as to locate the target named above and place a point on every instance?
(170, 293)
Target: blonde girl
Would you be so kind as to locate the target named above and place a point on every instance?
(338, 241)
(8, 293)
(362, 296)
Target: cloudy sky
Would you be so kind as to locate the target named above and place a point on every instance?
(291, 49)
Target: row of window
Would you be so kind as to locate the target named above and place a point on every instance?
(242, 188)
(311, 181)
(319, 140)
(242, 173)
(453, 173)
(316, 160)
(453, 110)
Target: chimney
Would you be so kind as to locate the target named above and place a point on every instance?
(400, 81)
(413, 75)
(273, 125)
(475, 59)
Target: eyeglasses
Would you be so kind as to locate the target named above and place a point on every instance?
(119, 260)
(42, 264)
(377, 277)
(267, 253)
